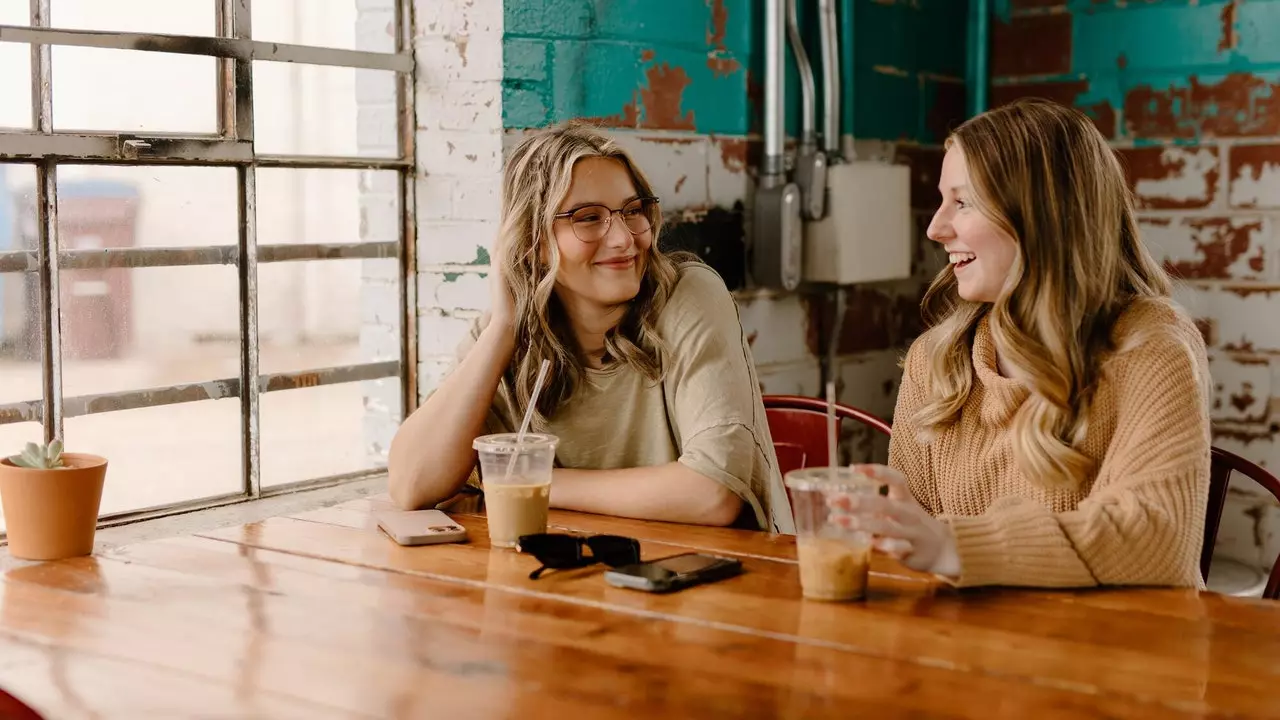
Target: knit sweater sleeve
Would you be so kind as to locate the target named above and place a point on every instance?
(907, 454)
(1143, 520)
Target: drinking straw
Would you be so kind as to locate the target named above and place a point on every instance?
(831, 429)
(528, 414)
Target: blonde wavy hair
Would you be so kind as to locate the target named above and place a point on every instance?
(1044, 175)
(536, 178)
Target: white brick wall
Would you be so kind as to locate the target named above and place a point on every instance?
(459, 170)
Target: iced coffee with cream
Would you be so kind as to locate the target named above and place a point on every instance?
(516, 476)
(834, 561)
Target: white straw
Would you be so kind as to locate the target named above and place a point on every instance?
(528, 414)
(831, 429)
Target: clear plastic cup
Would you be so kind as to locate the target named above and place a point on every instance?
(516, 502)
(834, 561)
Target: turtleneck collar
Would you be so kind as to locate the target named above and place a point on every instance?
(998, 396)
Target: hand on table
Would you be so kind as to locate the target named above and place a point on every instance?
(899, 525)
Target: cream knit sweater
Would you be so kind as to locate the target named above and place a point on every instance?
(1139, 520)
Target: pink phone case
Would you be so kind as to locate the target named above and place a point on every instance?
(420, 527)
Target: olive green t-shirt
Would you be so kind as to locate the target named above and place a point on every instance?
(706, 412)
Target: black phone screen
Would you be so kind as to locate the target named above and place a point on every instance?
(687, 564)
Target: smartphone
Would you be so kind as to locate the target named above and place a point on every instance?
(673, 573)
(420, 527)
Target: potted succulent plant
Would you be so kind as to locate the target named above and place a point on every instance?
(51, 501)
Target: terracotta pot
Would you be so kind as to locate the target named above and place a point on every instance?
(52, 514)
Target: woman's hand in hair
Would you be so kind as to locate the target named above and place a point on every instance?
(900, 526)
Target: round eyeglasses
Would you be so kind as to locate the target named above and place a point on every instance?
(591, 223)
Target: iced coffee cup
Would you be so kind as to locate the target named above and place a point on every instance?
(516, 475)
(834, 561)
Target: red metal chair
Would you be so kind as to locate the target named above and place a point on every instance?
(799, 428)
(1223, 463)
(11, 708)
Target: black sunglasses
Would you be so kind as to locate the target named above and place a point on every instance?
(558, 551)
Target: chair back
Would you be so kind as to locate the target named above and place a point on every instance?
(798, 425)
(1223, 463)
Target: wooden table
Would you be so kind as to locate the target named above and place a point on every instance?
(320, 616)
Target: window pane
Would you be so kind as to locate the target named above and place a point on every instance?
(20, 333)
(317, 110)
(366, 25)
(330, 430)
(165, 454)
(138, 328)
(13, 438)
(133, 91)
(20, 338)
(15, 12)
(170, 206)
(141, 16)
(326, 313)
(327, 206)
(15, 83)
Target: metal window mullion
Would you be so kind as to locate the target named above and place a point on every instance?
(406, 117)
(224, 17)
(47, 233)
(80, 405)
(237, 48)
(50, 305)
(41, 73)
(246, 180)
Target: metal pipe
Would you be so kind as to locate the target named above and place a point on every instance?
(976, 77)
(774, 89)
(830, 77)
(808, 133)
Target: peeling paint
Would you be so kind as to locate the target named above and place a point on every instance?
(657, 106)
(1255, 176)
(1172, 177)
(1239, 104)
(1211, 248)
(733, 153)
(1230, 36)
(719, 59)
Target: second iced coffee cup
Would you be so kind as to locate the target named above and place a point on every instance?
(516, 475)
(834, 561)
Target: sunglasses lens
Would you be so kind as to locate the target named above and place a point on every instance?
(554, 551)
(614, 550)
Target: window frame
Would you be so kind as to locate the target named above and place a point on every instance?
(232, 145)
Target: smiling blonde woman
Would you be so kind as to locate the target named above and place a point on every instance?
(652, 390)
(1052, 427)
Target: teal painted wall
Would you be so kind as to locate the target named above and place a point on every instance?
(1158, 71)
(697, 65)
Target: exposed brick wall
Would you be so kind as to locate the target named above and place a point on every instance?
(1186, 92)
(459, 170)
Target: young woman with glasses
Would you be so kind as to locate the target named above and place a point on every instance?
(652, 390)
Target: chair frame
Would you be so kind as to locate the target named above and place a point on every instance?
(1222, 465)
